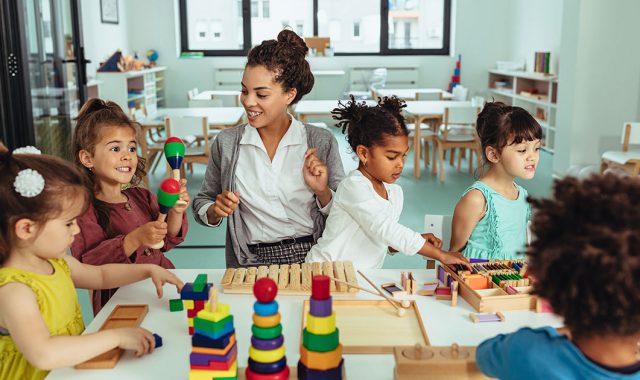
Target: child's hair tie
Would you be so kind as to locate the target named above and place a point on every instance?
(29, 183)
(27, 150)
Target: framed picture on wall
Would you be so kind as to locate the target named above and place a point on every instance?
(109, 11)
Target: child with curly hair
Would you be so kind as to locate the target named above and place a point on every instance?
(586, 261)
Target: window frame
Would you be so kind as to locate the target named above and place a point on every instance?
(384, 33)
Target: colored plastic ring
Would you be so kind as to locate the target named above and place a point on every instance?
(321, 325)
(321, 308)
(265, 309)
(266, 333)
(320, 343)
(268, 367)
(336, 373)
(282, 375)
(266, 356)
(321, 360)
(266, 322)
(267, 344)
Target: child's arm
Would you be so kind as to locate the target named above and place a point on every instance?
(469, 210)
(115, 275)
(176, 218)
(20, 315)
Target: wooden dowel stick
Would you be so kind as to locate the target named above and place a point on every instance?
(400, 311)
(398, 302)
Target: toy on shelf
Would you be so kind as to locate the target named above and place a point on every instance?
(121, 316)
(193, 295)
(267, 358)
(168, 195)
(487, 317)
(321, 351)
(436, 363)
(455, 78)
(294, 279)
(408, 283)
(214, 351)
(491, 286)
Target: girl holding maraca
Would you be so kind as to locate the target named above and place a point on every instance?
(121, 226)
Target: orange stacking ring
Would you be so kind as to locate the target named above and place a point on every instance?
(321, 361)
(268, 321)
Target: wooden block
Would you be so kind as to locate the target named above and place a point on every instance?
(443, 293)
(454, 294)
(294, 277)
(411, 284)
(327, 269)
(306, 276)
(393, 290)
(350, 274)
(428, 289)
(250, 277)
(263, 271)
(338, 271)
(431, 264)
(200, 282)
(121, 316)
(436, 362)
(274, 272)
(228, 276)
(283, 276)
(316, 269)
(487, 317)
(238, 277)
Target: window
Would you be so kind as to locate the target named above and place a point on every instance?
(355, 27)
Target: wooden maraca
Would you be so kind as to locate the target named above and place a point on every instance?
(168, 194)
(174, 154)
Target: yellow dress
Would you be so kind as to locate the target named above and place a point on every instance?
(58, 304)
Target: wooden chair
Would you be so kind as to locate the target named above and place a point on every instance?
(626, 160)
(461, 116)
(426, 134)
(154, 145)
(187, 128)
(192, 93)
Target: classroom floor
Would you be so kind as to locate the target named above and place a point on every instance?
(204, 247)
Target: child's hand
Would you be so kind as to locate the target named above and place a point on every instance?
(161, 276)
(183, 202)
(226, 203)
(315, 172)
(150, 233)
(135, 338)
(455, 258)
(432, 239)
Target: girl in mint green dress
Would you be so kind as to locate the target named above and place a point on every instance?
(490, 220)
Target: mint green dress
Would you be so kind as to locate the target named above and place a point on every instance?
(501, 234)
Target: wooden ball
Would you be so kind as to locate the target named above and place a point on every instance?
(265, 290)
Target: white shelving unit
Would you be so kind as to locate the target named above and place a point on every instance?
(135, 89)
(537, 93)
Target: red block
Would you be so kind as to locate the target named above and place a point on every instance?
(191, 330)
(320, 288)
(191, 313)
(455, 79)
(282, 375)
(198, 305)
(216, 366)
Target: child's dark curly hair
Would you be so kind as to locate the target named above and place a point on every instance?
(286, 58)
(586, 255)
(367, 125)
(499, 123)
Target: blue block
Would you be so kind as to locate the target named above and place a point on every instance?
(265, 309)
(226, 330)
(188, 293)
(198, 340)
(158, 339)
(305, 373)
(456, 72)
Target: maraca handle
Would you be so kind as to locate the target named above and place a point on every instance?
(176, 174)
(160, 244)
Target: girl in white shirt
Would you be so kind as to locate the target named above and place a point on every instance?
(363, 224)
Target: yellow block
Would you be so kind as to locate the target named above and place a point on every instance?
(201, 374)
(321, 325)
(268, 321)
(188, 304)
(266, 356)
(221, 313)
(321, 361)
(190, 320)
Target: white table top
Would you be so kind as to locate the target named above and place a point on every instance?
(432, 107)
(210, 94)
(444, 325)
(224, 116)
(320, 107)
(412, 93)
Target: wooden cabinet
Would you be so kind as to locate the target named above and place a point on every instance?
(135, 89)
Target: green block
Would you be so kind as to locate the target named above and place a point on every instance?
(176, 305)
(266, 332)
(211, 327)
(320, 343)
(200, 283)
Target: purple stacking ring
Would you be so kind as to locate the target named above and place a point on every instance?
(267, 344)
(321, 308)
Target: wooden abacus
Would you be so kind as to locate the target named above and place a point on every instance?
(492, 286)
(294, 279)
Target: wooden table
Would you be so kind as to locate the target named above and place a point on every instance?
(421, 111)
(413, 93)
(444, 325)
(212, 94)
(306, 108)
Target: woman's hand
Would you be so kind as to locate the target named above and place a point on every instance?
(315, 172)
(226, 203)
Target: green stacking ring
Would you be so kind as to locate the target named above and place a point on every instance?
(266, 332)
(320, 343)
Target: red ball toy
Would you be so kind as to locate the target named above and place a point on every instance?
(265, 290)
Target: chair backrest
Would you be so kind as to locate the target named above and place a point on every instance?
(192, 93)
(439, 225)
(138, 114)
(378, 79)
(187, 128)
(460, 93)
(199, 103)
(429, 96)
(630, 135)
(466, 115)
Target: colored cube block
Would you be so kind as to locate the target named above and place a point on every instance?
(200, 282)
(188, 304)
(210, 326)
(222, 311)
(198, 374)
(158, 340)
(188, 293)
(220, 343)
(219, 333)
(175, 305)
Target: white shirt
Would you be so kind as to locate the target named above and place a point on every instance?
(275, 202)
(362, 225)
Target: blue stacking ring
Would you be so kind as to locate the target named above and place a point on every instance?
(265, 309)
(267, 344)
(272, 367)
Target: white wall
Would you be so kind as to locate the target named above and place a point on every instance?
(102, 40)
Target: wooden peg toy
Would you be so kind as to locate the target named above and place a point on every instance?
(436, 363)
(428, 289)
(454, 294)
(213, 299)
(168, 195)
(487, 317)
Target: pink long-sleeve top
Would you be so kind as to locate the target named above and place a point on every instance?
(93, 246)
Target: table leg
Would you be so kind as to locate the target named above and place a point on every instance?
(416, 147)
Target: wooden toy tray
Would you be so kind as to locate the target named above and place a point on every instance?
(436, 363)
